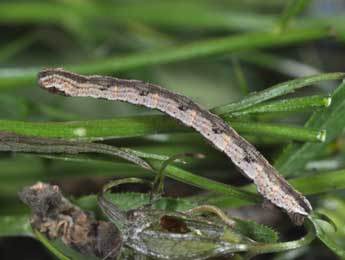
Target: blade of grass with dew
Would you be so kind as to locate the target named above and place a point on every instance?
(295, 157)
(23, 77)
(276, 91)
(146, 125)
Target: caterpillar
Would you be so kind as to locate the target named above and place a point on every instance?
(270, 184)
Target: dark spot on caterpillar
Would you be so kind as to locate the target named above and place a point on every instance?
(248, 159)
(55, 90)
(103, 83)
(143, 93)
(43, 74)
(247, 153)
(104, 87)
(217, 130)
(182, 107)
(107, 84)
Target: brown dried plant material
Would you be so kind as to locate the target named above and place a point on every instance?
(57, 218)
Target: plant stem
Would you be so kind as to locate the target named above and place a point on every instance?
(314, 184)
(284, 246)
(204, 183)
(146, 125)
(280, 131)
(286, 105)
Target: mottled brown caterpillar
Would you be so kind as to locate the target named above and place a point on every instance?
(270, 184)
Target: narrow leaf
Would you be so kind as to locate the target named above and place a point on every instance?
(294, 158)
(286, 105)
(276, 91)
(146, 125)
(314, 184)
(21, 143)
(326, 238)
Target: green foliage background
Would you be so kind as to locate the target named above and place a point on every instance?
(224, 55)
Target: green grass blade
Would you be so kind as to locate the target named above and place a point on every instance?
(191, 179)
(146, 125)
(332, 119)
(30, 144)
(283, 246)
(286, 105)
(326, 237)
(320, 183)
(315, 184)
(201, 49)
(280, 131)
(206, 184)
(171, 171)
(276, 91)
(164, 13)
